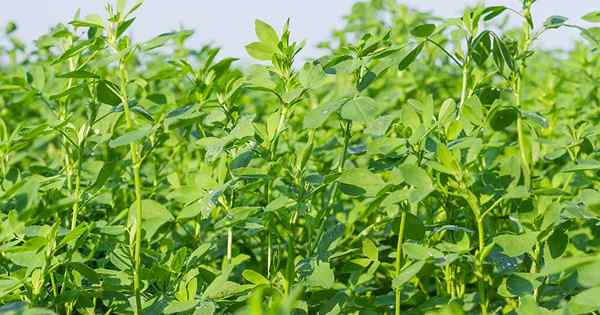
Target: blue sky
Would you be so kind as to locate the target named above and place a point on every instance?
(229, 23)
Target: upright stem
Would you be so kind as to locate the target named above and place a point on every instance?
(465, 85)
(229, 244)
(77, 203)
(343, 157)
(524, 44)
(290, 266)
(272, 152)
(479, 221)
(479, 265)
(399, 256)
(523, 154)
(269, 254)
(135, 161)
(322, 217)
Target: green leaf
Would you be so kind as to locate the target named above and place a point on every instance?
(589, 297)
(254, 277)
(501, 53)
(316, 117)
(517, 192)
(418, 179)
(516, 245)
(83, 269)
(581, 165)
(593, 17)
(157, 98)
(366, 80)
(410, 57)
(358, 181)
(591, 198)
(311, 76)
(555, 21)
(266, 33)
(322, 276)
(473, 111)
(143, 112)
(205, 308)
(502, 117)
(423, 30)
(220, 288)
(154, 215)
(528, 306)
(78, 74)
(588, 275)
(491, 12)
(557, 243)
(370, 250)
(129, 137)
(566, 264)
(536, 118)
(521, 284)
(415, 176)
(92, 20)
(447, 110)
(407, 273)
(123, 26)
(106, 93)
(164, 38)
(179, 307)
(419, 252)
(260, 51)
(362, 109)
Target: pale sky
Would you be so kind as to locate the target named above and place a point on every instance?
(230, 23)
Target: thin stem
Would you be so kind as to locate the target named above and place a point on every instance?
(76, 205)
(524, 44)
(290, 266)
(272, 151)
(479, 220)
(398, 257)
(343, 157)
(269, 254)
(340, 167)
(479, 265)
(465, 84)
(523, 154)
(133, 148)
(458, 63)
(229, 244)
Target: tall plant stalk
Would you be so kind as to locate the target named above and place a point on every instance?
(524, 44)
(399, 258)
(480, 257)
(137, 182)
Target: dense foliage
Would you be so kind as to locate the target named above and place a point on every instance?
(421, 166)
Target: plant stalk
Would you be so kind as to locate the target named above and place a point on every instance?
(137, 182)
(399, 258)
(464, 87)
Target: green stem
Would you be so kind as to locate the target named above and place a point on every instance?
(524, 44)
(322, 217)
(523, 154)
(272, 152)
(137, 182)
(479, 265)
(399, 257)
(464, 87)
(290, 266)
(229, 244)
(269, 254)
(343, 158)
(479, 220)
(76, 205)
